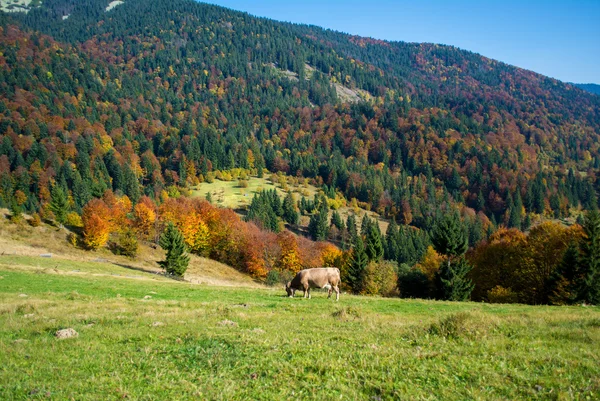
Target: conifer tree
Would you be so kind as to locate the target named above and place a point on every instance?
(59, 204)
(176, 259)
(357, 266)
(453, 284)
(374, 246)
(449, 239)
(562, 285)
(516, 210)
(351, 226)
(290, 214)
(318, 226)
(391, 244)
(336, 220)
(589, 281)
(448, 236)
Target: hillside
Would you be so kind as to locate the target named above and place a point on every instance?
(172, 90)
(592, 88)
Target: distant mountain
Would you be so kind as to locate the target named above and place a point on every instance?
(153, 94)
(592, 88)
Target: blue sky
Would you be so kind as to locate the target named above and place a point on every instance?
(560, 39)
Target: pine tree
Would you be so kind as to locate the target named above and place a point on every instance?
(453, 283)
(374, 246)
(177, 259)
(448, 236)
(357, 266)
(336, 220)
(589, 282)
(318, 226)
(562, 285)
(449, 239)
(59, 204)
(391, 244)
(516, 211)
(351, 226)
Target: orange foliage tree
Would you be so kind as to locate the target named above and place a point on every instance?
(96, 224)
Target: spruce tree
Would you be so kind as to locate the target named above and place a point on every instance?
(176, 260)
(357, 266)
(589, 281)
(336, 220)
(351, 226)
(453, 284)
(448, 236)
(449, 239)
(562, 284)
(516, 211)
(318, 226)
(374, 246)
(59, 204)
(391, 244)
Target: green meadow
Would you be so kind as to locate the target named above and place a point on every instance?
(144, 337)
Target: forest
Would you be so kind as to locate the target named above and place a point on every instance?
(487, 172)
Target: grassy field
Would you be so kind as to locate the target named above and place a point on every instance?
(230, 194)
(148, 338)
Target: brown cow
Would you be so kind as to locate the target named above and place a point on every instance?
(320, 277)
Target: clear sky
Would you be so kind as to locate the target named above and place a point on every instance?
(560, 39)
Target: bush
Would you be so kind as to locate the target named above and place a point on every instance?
(381, 279)
(412, 283)
(501, 295)
(73, 239)
(273, 278)
(35, 220)
(127, 244)
(73, 220)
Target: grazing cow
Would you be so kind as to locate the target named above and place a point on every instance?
(320, 277)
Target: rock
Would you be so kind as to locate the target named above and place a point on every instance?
(22, 295)
(227, 323)
(157, 324)
(148, 297)
(28, 315)
(46, 255)
(66, 333)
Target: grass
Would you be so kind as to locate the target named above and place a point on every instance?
(231, 195)
(161, 339)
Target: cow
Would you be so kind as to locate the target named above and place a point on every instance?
(320, 277)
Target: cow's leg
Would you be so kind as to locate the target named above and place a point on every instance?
(329, 291)
(337, 293)
(304, 292)
(308, 292)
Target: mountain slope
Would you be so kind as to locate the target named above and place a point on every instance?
(592, 88)
(153, 94)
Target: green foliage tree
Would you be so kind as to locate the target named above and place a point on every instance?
(357, 266)
(449, 239)
(374, 245)
(318, 226)
(589, 280)
(176, 259)
(453, 283)
(59, 204)
(448, 236)
(290, 214)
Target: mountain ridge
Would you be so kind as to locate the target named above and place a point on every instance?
(477, 130)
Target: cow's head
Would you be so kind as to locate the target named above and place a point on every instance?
(288, 289)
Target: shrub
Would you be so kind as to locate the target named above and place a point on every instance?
(501, 295)
(381, 279)
(35, 220)
(73, 239)
(273, 278)
(73, 220)
(127, 244)
(412, 283)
